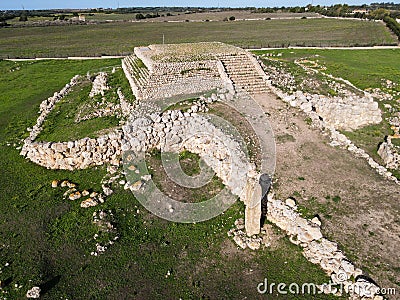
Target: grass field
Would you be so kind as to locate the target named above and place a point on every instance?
(364, 68)
(46, 240)
(120, 38)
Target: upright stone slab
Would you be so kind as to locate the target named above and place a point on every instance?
(253, 207)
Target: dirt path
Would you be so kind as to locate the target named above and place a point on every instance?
(331, 48)
(358, 208)
(64, 58)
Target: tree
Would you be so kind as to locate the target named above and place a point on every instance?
(23, 18)
(232, 18)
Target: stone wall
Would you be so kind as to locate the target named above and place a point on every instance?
(321, 251)
(175, 131)
(347, 113)
(79, 154)
(99, 85)
(389, 154)
(73, 155)
(47, 105)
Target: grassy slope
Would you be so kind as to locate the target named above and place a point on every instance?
(47, 240)
(116, 38)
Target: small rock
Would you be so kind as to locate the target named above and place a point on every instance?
(75, 196)
(33, 292)
(316, 221)
(290, 202)
(54, 183)
(131, 168)
(253, 244)
(112, 169)
(71, 185)
(240, 241)
(107, 191)
(146, 177)
(90, 202)
(136, 186)
(239, 223)
(85, 193)
(64, 183)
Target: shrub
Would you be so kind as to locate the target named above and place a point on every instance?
(140, 17)
(392, 25)
(232, 18)
(23, 18)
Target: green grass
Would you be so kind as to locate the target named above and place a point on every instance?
(119, 38)
(61, 125)
(189, 163)
(364, 68)
(47, 240)
(369, 137)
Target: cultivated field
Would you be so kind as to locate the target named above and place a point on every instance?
(211, 16)
(120, 38)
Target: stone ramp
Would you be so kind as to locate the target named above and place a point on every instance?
(137, 74)
(244, 73)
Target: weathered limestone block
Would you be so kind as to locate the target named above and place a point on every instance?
(252, 202)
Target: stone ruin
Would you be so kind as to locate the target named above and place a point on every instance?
(158, 72)
(155, 73)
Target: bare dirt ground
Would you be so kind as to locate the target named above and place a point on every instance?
(358, 208)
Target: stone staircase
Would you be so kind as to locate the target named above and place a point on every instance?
(243, 73)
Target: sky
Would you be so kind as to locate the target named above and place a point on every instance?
(48, 4)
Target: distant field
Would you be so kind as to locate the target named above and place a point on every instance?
(120, 38)
(181, 16)
(212, 16)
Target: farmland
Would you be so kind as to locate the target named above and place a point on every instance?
(46, 240)
(120, 38)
